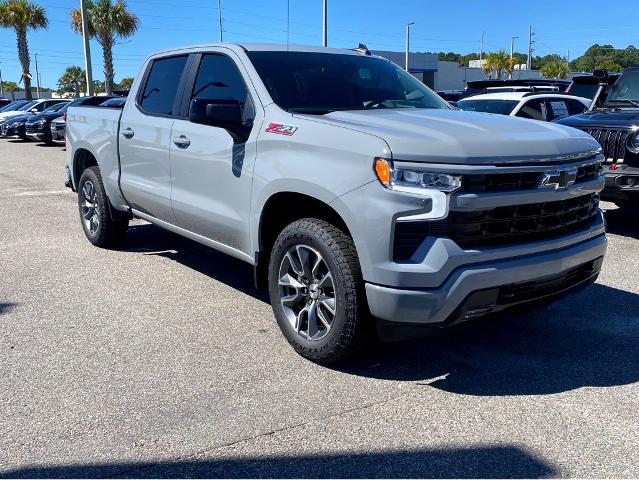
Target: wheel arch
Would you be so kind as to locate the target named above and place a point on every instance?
(281, 209)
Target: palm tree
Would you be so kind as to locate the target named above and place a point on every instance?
(73, 80)
(22, 15)
(126, 83)
(498, 64)
(106, 22)
(555, 70)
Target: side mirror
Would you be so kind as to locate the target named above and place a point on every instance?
(601, 75)
(226, 114)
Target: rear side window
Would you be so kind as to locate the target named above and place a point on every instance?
(161, 86)
(575, 107)
(535, 109)
(558, 109)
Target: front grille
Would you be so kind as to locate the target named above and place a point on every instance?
(507, 182)
(517, 223)
(613, 143)
(500, 226)
(31, 128)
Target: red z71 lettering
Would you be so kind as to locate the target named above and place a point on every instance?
(281, 129)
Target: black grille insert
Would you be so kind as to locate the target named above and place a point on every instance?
(517, 223)
(507, 182)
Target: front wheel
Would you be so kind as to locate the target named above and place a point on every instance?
(100, 229)
(317, 291)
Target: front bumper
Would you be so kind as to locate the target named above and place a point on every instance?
(57, 135)
(448, 303)
(622, 186)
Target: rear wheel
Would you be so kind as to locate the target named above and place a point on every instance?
(317, 292)
(98, 226)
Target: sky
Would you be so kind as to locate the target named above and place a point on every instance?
(560, 27)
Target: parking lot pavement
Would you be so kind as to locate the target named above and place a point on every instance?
(161, 359)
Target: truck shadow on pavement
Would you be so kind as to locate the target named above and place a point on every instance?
(623, 221)
(588, 339)
(479, 462)
(152, 240)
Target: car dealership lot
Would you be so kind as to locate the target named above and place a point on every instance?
(161, 359)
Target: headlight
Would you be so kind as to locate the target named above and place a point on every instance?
(413, 180)
(633, 142)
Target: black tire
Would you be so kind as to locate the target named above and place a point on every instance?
(107, 232)
(347, 333)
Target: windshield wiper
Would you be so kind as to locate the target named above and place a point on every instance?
(624, 100)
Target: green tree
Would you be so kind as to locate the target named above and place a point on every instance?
(10, 86)
(73, 80)
(21, 16)
(126, 83)
(498, 64)
(107, 21)
(608, 64)
(555, 70)
(98, 86)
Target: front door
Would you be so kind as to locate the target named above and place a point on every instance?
(145, 136)
(212, 175)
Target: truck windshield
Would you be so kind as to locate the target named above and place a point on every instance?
(503, 107)
(625, 90)
(319, 83)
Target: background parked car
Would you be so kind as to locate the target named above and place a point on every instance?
(13, 105)
(34, 106)
(38, 127)
(587, 86)
(13, 126)
(450, 95)
(58, 125)
(4, 102)
(479, 87)
(538, 106)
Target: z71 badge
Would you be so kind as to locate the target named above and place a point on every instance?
(281, 129)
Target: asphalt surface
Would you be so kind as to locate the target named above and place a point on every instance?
(161, 359)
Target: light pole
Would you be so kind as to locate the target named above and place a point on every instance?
(37, 75)
(512, 50)
(1, 89)
(87, 48)
(219, 11)
(325, 23)
(407, 44)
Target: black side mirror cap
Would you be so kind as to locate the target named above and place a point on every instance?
(601, 75)
(225, 114)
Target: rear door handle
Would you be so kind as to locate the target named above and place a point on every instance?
(127, 132)
(182, 141)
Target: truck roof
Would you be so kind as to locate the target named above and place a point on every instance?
(264, 47)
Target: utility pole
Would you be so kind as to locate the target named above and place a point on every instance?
(37, 76)
(219, 11)
(325, 23)
(512, 51)
(481, 45)
(87, 48)
(407, 44)
(1, 89)
(530, 48)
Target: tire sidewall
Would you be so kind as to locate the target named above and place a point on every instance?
(312, 349)
(90, 175)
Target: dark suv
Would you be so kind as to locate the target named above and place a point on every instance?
(614, 123)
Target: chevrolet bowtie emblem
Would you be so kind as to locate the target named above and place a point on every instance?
(559, 178)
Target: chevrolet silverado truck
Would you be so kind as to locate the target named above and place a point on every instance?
(360, 198)
(614, 123)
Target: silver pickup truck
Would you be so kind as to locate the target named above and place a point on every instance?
(359, 196)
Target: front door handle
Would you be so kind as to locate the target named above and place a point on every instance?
(127, 132)
(182, 141)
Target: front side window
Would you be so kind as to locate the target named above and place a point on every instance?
(575, 107)
(161, 86)
(502, 107)
(320, 83)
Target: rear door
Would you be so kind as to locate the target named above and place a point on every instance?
(145, 136)
(534, 108)
(212, 174)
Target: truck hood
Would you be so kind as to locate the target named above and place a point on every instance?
(453, 136)
(625, 118)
